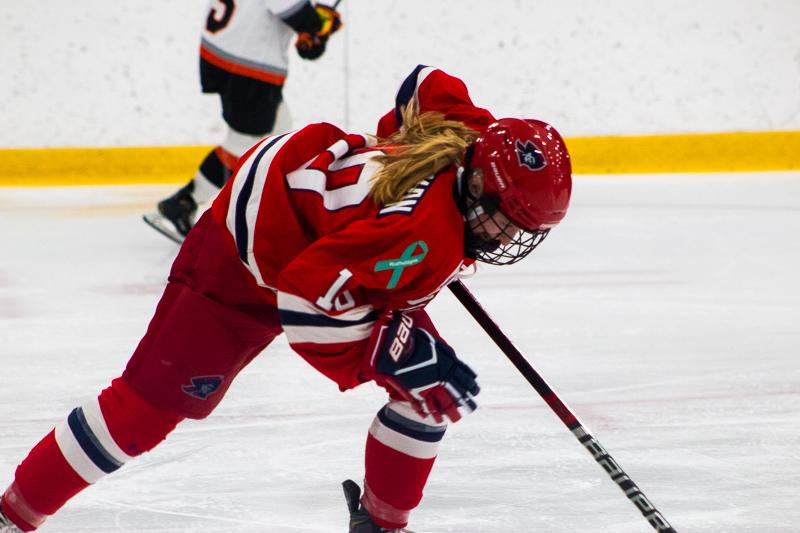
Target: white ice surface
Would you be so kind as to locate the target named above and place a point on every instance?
(665, 310)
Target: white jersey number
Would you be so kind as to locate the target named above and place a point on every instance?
(341, 182)
(344, 301)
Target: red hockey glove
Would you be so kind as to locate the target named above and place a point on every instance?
(312, 45)
(422, 369)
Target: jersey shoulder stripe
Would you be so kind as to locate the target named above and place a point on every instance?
(245, 201)
(409, 88)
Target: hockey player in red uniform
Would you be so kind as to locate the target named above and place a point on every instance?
(339, 241)
(244, 59)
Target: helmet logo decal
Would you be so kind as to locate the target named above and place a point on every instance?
(530, 155)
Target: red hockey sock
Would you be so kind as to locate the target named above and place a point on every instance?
(401, 450)
(95, 440)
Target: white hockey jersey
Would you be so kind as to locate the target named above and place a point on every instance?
(249, 37)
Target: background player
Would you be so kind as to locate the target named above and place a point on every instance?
(339, 242)
(244, 59)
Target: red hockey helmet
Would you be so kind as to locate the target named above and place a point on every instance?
(526, 169)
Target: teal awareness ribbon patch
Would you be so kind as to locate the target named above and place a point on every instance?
(406, 260)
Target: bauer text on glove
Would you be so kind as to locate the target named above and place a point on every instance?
(424, 370)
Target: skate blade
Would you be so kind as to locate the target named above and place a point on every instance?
(162, 225)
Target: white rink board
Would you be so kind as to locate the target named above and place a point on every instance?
(665, 310)
(100, 73)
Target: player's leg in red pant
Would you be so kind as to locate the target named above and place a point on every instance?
(95, 439)
(193, 349)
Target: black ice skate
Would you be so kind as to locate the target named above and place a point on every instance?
(7, 526)
(175, 215)
(360, 522)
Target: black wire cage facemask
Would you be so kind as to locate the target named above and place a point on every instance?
(519, 243)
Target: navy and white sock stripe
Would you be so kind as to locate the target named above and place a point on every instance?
(302, 321)
(408, 90)
(89, 442)
(87, 445)
(398, 426)
(410, 428)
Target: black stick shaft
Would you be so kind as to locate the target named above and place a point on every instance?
(612, 468)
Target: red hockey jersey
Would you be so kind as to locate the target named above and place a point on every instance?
(305, 227)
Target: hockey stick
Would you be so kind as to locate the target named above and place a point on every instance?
(612, 468)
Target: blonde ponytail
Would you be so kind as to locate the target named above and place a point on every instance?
(425, 144)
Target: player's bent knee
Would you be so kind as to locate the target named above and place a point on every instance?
(106, 432)
(135, 424)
